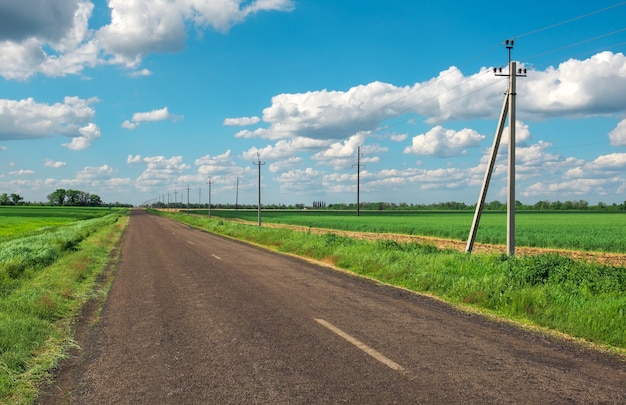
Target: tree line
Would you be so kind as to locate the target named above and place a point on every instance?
(70, 197)
(578, 205)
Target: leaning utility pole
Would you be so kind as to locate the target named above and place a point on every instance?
(358, 181)
(507, 107)
(259, 164)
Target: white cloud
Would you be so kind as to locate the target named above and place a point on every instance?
(150, 116)
(27, 119)
(618, 135)
(22, 173)
(242, 121)
(285, 165)
(141, 72)
(88, 134)
(54, 164)
(134, 159)
(160, 171)
(399, 137)
(301, 181)
(90, 173)
(219, 165)
(54, 38)
(587, 87)
(443, 142)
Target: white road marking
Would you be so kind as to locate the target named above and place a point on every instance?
(378, 356)
(190, 242)
(216, 256)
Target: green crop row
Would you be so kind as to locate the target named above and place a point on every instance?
(20, 221)
(582, 230)
(585, 300)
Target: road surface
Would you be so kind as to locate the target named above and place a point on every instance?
(193, 318)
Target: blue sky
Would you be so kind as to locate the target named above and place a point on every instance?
(136, 100)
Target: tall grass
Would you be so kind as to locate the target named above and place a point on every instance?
(585, 300)
(44, 280)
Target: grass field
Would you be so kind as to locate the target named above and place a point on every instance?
(19, 221)
(48, 269)
(576, 230)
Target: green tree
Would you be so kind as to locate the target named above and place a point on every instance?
(16, 198)
(4, 199)
(95, 200)
(57, 197)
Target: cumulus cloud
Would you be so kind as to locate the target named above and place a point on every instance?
(21, 172)
(594, 86)
(443, 142)
(587, 87)
(618, 135)
(159, 171)
(150, 116)
(88, 134)
(54, 37)
(54, 164)
(219, 165)
(243, 121)
(27, 119)
(44, 19)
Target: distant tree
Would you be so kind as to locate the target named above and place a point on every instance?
(16, 198)
(4, 199)
(95, 200)
(57, 197)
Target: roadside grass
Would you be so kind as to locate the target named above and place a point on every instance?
(44, 281)
(580, 299)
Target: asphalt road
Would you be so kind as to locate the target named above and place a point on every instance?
(193, 318)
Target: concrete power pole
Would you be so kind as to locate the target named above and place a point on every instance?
(209, 182)
(358, 181)
(507, 107)
(259, 164)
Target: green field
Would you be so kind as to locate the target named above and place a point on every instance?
(50, 258)
(19, 221)
(576, 230)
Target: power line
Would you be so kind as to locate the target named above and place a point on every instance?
(580, 17)
(576, 44)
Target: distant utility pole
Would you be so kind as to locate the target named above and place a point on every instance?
(259, 164)
(237, 195)
(187, 198)
(507, 107)
(175, 198)
(358, 181)
(209, 182)
(168, 201)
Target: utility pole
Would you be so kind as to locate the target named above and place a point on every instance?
(259, 164)
(507, 107)
(168, 201)
(358, 181)
(187, 198)
(175, 199)
(209, 182)
(237, 195)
